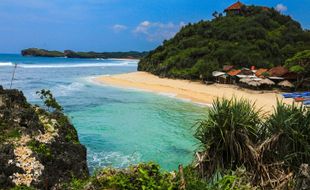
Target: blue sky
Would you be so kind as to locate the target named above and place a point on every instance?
(112, 25)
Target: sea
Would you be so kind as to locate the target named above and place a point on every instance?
(118, 126)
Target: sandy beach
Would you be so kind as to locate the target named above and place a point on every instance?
(194, 91)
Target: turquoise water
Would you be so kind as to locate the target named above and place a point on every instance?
(118, 126)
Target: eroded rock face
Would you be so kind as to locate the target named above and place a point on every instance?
(37, 148)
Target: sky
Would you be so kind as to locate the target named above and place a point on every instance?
(112, 25)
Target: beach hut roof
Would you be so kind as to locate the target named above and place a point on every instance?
(286, 83)
(245, 80)
(246, 71)
(260, 72)
(247, 76)
(233, 72)
(276, 78)
(267, 81)
(253, 83)
(217, 73)
(278, 71)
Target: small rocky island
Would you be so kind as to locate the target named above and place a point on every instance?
(35, 52)
(38, 147)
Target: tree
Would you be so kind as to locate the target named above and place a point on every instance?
(49, 100)
(204, 68)
(300, 64)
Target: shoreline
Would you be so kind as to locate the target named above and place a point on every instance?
(195, 92)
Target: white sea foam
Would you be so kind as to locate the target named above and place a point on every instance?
(171, 95)
(203, 104)
(69, 65)
(116, 159)
(92, 79)
(3, 64)
(65, 90)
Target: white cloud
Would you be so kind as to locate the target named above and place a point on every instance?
(157, 31)
(119, 27)
(281, 8)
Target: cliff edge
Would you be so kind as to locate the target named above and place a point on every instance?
(38, 147)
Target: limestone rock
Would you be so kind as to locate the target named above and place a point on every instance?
(37, 148)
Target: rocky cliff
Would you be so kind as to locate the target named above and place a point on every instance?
(38, 148)
(87, 55)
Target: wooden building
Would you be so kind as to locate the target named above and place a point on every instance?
(234, 9)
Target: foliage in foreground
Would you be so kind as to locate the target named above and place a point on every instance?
(271, 148)
(141, 176)
(148, 176)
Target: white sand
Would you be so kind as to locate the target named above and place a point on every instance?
(195, 91)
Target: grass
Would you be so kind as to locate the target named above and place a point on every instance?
(39, 148)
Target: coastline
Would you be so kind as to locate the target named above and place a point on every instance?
(194, 91)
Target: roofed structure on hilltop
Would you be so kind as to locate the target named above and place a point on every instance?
(234, 9)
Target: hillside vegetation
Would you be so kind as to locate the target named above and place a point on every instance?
(258, 37)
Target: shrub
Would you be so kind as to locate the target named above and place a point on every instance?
(228, 134)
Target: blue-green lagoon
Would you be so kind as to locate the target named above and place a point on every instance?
(118, 126)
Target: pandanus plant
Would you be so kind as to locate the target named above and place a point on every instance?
(229, 134)
(271, 147)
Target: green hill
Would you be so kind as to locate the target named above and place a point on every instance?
(258, 37)
(36, 52)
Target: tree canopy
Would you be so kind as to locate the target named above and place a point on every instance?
(258, 37)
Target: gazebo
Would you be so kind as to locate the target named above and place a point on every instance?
(234, 9)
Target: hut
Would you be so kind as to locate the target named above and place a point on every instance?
(235, 75)
(261, 73)
(267, 83)
(232, 75)
(220, 77)
(286, 85)
(234, 9)
(278, 71)
(254, 84)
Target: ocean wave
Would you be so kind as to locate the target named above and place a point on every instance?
(106, 159)
(171, 95)
(69, 65)
(65, 90)
(3, 64)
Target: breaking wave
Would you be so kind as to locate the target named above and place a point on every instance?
(65, 90)
(105, 159)
(113, 63)
(3, 64)
(76, 65)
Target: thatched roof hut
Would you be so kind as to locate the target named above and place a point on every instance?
(245, 80)
(267, 82)
(286, 84)
(253, 83)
